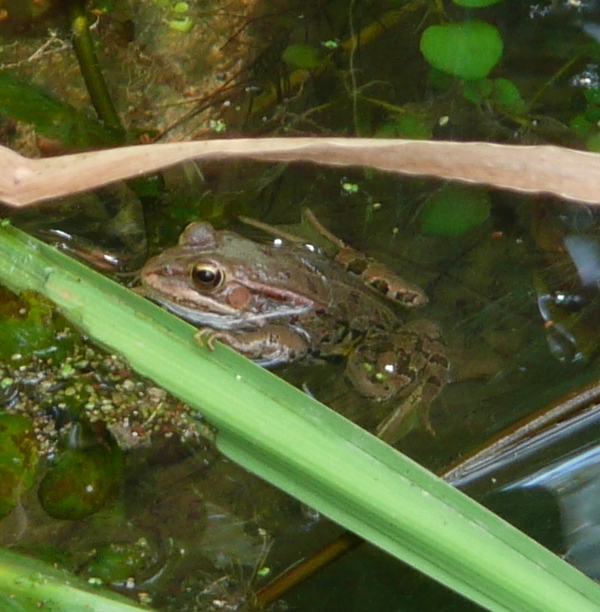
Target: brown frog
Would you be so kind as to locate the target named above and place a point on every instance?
(280, 302)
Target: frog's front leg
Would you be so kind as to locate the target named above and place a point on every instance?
(268, 346)
(409, 363)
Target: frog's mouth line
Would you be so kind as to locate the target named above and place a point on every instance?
(234, 320)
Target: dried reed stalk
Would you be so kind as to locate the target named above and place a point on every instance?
(554, 170)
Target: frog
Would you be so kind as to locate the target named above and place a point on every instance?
(286, 300)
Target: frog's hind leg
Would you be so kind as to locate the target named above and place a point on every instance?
(409, 364)
(402, 419)
(433, 369)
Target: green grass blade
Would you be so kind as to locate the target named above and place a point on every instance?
(27, 584)
(307, 450)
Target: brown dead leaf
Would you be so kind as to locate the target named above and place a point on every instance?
(554, 170)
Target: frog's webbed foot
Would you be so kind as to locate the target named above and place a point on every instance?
(403, 418)
(268, 346)
(410, 364)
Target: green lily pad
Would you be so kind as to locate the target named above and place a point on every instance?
(468, 50)
(502, 93)
(453, 210)
(593, 143)
(506, 95)
(477, 91)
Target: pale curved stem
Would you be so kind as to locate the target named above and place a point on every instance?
(566, 173)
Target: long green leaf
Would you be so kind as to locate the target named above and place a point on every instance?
(307, 450)
(27, 584)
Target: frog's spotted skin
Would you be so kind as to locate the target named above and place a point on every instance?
(277, 303)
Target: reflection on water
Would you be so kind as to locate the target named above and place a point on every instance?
(574, 483)
(548, 485)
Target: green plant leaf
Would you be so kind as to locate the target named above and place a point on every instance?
(453, 210)
(468, 50)
(506, 95)
(592, 95)
(477, 91)
(406, 126)
(28, 584)
(593, 143)
(81, 481)
(303, 56)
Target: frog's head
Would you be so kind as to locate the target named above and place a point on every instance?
(222, 280)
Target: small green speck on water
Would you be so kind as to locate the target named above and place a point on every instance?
(219, 126)
(67, 370)
(351, 188)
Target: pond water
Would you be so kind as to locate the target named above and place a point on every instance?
(512, 281)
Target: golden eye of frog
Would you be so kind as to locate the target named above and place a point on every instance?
(279, 302)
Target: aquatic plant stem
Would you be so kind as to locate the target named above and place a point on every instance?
(90, 67)
(300, 572)
(297, 78)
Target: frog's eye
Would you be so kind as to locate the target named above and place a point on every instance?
(206, 276)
